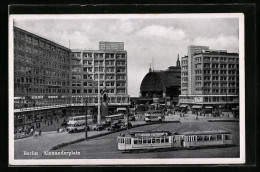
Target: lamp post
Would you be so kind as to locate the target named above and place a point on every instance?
(99, 117)
(86, 124)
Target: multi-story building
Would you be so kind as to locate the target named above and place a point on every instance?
(41, 76)
(109, 66)
(212, 80)
(51, 80)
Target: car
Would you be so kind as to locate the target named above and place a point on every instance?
(98, 127)
(125, 125)
(115, 126)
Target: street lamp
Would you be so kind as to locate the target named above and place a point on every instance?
(86, 123)
(99, 117)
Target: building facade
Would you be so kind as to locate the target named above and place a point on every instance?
(41, 75)
(162, 86)
(51, 80)
(213, 78)
(107, 66)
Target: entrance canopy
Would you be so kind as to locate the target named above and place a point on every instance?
(183, 106)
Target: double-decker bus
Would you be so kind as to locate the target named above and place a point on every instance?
(77, 123)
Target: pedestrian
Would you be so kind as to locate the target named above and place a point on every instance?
(40, 132)
(58, 129)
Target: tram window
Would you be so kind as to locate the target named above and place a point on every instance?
(149, 140)
(123, 140)
(139, 141)
(227, 137)
(213, 137)
(206, 138)
(153, 140)
(135, 141)
(219, 137)
(199, 138)
(128, 141)
(158, 140)
(144, 141)
(162, 140)
(166, 140)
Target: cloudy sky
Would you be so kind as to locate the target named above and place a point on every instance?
(160, 39)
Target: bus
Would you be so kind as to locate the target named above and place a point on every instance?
(154, 116)
(77, 123)
(116, 117)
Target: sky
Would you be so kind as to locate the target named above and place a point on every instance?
(160, 39)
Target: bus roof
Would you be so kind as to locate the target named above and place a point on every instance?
(110, 116)
(72, 117)
(206, 132)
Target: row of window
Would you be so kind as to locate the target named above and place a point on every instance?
(23, 89)
(207, 137)
(90, 84)
(216, 91)
(99, 55)
(78, 91)
(29, 39)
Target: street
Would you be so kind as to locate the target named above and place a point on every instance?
(106, 146)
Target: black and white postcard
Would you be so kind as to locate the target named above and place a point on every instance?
(120, 89)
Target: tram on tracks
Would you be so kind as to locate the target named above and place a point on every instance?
(145, 140)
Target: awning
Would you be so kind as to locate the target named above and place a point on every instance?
(183, 106)
(196, 107)
(208, 107)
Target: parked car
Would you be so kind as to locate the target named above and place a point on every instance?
(125, 125)
(115, 126)
(98, 127)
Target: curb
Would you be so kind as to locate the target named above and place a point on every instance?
(103, 134)
(213, 120)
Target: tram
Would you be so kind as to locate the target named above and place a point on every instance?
(142, 140)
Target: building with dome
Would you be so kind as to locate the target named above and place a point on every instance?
(161, 86)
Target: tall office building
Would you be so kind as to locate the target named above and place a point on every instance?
(209, 77)
(112, 67)
(41, 77)
(52, 80)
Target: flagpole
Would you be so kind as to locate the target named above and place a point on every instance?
(98, 98)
